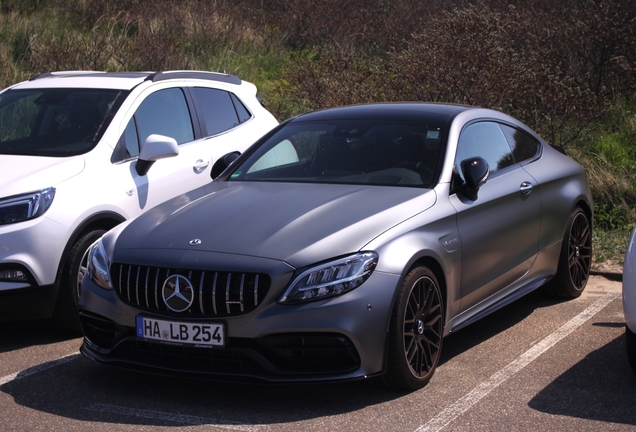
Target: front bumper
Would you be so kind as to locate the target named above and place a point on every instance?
(36, 245)
(341, 338)
(35, 248)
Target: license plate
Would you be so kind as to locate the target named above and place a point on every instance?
(181, 332)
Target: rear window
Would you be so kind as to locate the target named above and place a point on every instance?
(55, 122)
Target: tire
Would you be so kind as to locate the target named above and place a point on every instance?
(575, 259)
(630, 344)
(66, 310)
(415, 332)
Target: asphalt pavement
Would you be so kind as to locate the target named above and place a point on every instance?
(537, 364)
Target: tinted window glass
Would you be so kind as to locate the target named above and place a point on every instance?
(166, 113)
(218, 110)
(55, 122)
(523, 146)
(241, 111)
(484, 139)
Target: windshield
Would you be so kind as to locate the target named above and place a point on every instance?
(55, 122)
(348, 151)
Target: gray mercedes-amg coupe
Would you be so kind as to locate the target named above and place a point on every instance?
(345, 244)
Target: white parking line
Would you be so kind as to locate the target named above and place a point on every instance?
(479, 392)
(170, 417)
(39, 368)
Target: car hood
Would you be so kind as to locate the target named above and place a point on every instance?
(296, 223)
(24, 174)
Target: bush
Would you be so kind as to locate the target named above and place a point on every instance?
(567, 69)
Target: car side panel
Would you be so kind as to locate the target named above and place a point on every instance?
(562, 184)
(498, 233)
(428, 237)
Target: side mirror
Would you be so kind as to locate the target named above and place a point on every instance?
(155, 147)
(222, 163)
(476, 172)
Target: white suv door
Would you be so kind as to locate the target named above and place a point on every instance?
(167, 112)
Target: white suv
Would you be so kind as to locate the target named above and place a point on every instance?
(81, 152)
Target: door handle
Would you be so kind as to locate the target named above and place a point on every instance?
(200, 165)
(526, 188)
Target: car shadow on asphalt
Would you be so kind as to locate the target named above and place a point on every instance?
(79, 389)
(16, 335)
(495, 323)
(600, 387)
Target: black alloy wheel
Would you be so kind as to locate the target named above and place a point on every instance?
(580, 251)
(416, 331)
(575, 260)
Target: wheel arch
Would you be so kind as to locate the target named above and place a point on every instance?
(586, 208)
(102, 220)
(436, 268)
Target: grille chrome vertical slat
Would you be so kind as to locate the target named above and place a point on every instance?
(121, 273)
(216, 275)
(241, 291)
(146, 286)
(137, 284)
(256, 291)
(201, 294)
(128, 281)
(157, 290)
(227, 292)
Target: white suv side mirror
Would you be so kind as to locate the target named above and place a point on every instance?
(155, 147)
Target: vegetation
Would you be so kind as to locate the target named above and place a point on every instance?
(567, 69)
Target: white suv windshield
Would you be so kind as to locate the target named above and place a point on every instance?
(55, 122)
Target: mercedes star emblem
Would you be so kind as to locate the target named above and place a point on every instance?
(177, 293)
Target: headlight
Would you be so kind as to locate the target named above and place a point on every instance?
(98, 265)
(331, 279)
(24, 207)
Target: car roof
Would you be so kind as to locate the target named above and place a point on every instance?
(117, 80)
(396, 111)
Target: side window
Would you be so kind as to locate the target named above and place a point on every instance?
(523, 146)
(218, 109)
(166, 113)
(487, 140)
(241, 111)
(130, 140)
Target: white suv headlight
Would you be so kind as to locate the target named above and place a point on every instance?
(97, 268)
(27, 206)
(331, 278)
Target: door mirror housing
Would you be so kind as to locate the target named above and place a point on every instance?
(155, 147)
(476, 172)
(222, 163)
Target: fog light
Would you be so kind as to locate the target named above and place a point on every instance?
(13, 275)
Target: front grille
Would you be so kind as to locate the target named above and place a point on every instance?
(216, 293)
